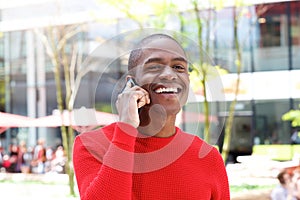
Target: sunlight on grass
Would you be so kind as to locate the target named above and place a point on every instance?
(246, 187)
(34, 190)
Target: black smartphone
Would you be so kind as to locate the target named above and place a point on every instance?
(131, 81)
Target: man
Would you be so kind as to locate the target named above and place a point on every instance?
(144, 155)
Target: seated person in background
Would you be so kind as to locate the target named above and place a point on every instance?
(284, 190)
(296, 183)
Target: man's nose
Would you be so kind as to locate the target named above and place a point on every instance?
(168, 73)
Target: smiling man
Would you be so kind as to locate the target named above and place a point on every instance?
(144, 155)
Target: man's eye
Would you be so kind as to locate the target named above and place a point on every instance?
(179, 67)
(154, 67)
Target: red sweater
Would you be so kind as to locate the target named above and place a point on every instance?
(114, 163)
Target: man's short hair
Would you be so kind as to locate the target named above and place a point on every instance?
(137, 53)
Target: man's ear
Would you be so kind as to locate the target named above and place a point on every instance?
(131, 79)
(129, 76)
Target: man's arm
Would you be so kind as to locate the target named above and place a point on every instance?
(221, 179)
(103, 166)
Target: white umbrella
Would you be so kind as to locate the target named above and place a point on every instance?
(79, 117)
(13, 120)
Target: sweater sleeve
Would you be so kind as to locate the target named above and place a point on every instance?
(222, 191)
(103, 166)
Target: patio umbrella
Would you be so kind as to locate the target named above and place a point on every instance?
(79, 117)
(13, 120)
(8, 120)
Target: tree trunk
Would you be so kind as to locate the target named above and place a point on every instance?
(238, 62)
(202, 69)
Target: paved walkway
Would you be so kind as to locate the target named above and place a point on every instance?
(35, 191)
(253, 195)
(55, 186)
(35, 187)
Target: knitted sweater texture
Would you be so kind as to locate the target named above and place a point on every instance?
(116, 163)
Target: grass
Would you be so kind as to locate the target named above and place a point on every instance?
(35, 189)
(246, 187)
(31, 188)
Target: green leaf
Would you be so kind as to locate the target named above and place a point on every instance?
(296, 122)
(292, 115)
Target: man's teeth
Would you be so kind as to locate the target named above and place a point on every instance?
(167, 90)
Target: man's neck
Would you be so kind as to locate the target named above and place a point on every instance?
(160, 127)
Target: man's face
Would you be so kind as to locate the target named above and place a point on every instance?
(163, 72)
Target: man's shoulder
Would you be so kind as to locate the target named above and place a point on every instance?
(96, 142)
(99, 132)
(198, 142)
(187, 134)
(196, 138)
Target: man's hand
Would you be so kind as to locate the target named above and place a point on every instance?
(128, 103)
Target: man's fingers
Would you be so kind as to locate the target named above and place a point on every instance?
(141, 97)
(127, 86)
(143, 100)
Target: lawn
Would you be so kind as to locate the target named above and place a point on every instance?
(49, 187)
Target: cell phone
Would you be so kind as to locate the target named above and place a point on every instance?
(132, 82)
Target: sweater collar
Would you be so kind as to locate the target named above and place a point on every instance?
(153, 143)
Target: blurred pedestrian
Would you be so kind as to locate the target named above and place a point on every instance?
(58, 161)
(284, 190)
(1, 156)
(20, 159)
(27, 157)
(39, 157)
(13, 158)
(295, 138)
(296, 183)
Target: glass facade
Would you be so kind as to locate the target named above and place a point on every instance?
(273, 39)
(2, 72)
(225, 45)
(295, 34)
(269, 37)
(17, 52)
(268, 115)
(296, 104)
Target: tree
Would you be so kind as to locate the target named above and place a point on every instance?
(203, 70)
(143, 10)
(238, 62)
(293, 116)
(62, 48)
(238, 11)
(2, 94)
(2, 80)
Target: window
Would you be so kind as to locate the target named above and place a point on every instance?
(271, 50)
(226, 52)
(17, 51)
(295, 34)
(296, 105)
(271, 128)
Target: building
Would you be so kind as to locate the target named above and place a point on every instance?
(269, 35)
